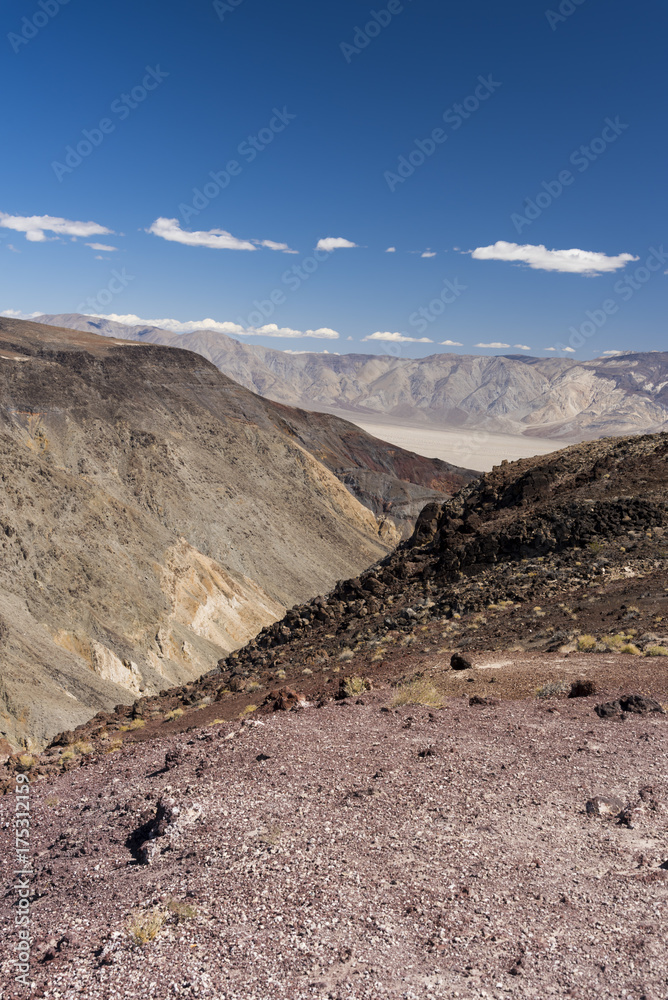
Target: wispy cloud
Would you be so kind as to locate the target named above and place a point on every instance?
(330, 243)
(398, 338)
(540, 258)
(101, 246)
(215, 239)
(521, 347)
(610, 354)
(36, 227)
(451, 343)
(391, 250)
(271, 245)
(495, 345)
(428, 253)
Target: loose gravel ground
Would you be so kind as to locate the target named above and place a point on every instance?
(357, 851)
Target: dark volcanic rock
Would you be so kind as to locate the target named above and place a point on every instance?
(635, 703)
(582, 689)
(459, 662)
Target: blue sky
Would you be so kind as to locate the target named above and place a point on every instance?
(440, 129)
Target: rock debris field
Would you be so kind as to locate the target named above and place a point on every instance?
(357, 850)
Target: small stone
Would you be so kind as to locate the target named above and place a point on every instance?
(604, 806)
(459, 662)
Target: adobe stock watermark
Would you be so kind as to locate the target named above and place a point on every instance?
(378, 20)
(454, 117)
(565, 9)
(31, 26)
(425, 315)
(23, 873)
(292, 279)
(118, 282)
(624, 289)
(582, 158)
(224, 7)
(122, 107)
(249, 149)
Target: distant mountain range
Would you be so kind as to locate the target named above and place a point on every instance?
(543, 397)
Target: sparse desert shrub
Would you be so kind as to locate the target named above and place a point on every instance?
(345, 655)
(67, 755)
(419, 691)
(248, 709)
(217, 722)
(586, 643)
(630, 648)
(656, 651)
(281, 675)
(253, 686)
(81, 746)
(181, 911)
(613, 643)
(595, 546)
(175, 713)
(553, 689)
(135, 724)
(114, 746)
(352, 687)
(26, 761)
(145, 927)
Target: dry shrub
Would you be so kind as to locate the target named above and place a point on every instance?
(419, 691)
(145, 927)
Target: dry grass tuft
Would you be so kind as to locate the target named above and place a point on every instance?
(419, 691)
(145, 927)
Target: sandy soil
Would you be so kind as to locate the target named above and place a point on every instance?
(475, 449)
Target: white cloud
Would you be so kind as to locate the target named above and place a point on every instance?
(521, 347)
(271, 245)
(101, 246)
(271, 330)
(569, 350)
(496, 344)
(215, 326)
(334, 243)
(391, 250)
(398, 338)
(549, 348)
(17, 314)
(216, 239)
(539, 258)
(610, 354)
(36, 226)
(451, 343)
(428, 253)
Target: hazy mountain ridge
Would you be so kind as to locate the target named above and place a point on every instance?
(550, 397)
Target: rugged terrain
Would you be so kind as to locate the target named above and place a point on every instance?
(515, 394)
(155, 515)
(446, 777)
